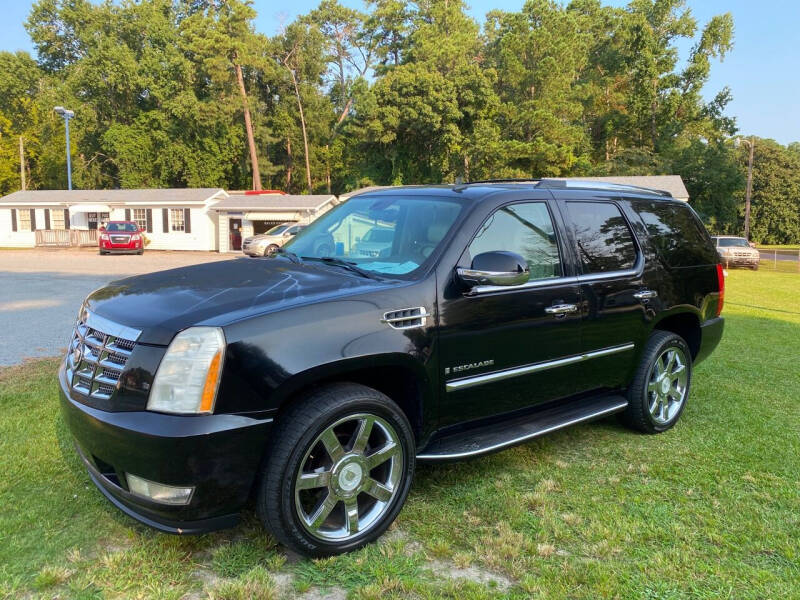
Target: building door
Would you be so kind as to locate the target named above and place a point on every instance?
(235, 234)
(96, 218)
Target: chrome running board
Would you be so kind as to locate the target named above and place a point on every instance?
(497, 436)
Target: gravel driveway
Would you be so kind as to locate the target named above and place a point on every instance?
(41, 291)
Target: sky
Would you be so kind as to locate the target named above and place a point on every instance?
(763, 70)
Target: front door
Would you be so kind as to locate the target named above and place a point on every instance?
(504, 349)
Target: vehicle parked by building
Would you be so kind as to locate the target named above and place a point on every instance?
(376, 242)
(268, 242)
(736, 252)
(315, 382)
(121, 237)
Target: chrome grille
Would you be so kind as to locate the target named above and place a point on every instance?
(120, 239)
(97, 355)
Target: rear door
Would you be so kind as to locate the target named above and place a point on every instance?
(614, 297)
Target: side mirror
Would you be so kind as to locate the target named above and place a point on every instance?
(495, 268)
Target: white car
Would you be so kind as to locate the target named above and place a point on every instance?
(376, 242)
(266, 243)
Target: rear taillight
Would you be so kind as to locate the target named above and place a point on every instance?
(721, 286)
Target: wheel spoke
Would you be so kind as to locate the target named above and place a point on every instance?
(351, 512)
(308, 481)
(332, 444)
(677, 371)
(323, 511)
(675, 394)
(378, 491)
(671, 356)
(362, 434)
(652, 387)
(382, 455)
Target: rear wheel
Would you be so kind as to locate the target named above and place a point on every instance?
(660, 387)
(337, 471)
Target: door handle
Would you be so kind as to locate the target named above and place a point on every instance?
(645, 295)
(561, 309)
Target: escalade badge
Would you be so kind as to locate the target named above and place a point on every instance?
(468, 367)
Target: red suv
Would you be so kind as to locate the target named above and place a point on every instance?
(121, 237)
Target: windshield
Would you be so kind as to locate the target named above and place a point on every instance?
(392, 235)
(278, 229)
(126, 227)
(739, 242)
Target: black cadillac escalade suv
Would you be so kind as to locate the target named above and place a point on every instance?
(492, 313)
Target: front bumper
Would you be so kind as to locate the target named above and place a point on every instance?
(740, 261)
(218, 455)
(710, 336)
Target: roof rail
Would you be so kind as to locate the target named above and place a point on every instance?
(594, 185)
(526, 180)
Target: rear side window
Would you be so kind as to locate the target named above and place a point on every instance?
(602, 235)
(677, 234)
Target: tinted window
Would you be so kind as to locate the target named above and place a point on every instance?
(604, 241)
(525, 229)
(677, 234)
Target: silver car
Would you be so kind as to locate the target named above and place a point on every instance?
(736, 252)
(268, 242)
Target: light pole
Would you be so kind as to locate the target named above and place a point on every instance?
(751, 143)
(67, 114)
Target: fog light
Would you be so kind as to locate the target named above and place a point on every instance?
(158, 492)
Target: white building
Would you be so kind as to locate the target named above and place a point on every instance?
(172, 219)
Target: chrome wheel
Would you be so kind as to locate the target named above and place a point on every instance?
(348, 477)
(667, 385)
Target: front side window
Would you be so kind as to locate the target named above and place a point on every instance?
(525, 229)
(603, 238)
(140, 218)
(381, 233)
(176, 219)
(24, 217)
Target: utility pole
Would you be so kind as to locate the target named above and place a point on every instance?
(751, 144)
(67, 114)
(22, 163)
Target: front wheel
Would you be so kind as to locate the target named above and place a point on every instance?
(660, 388)
(270, 250)
(338, 470)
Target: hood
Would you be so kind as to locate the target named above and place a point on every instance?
(263, 236)
(163, 303)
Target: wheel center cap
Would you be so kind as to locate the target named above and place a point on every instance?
(665, 385)
(350, 477)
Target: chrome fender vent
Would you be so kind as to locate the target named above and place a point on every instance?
(406, 318)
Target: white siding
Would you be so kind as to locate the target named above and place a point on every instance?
(15, 239)
(202, 236)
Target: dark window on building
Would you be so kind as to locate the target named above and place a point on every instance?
(604, 240)
(677, 234)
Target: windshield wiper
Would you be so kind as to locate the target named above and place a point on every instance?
(289, 254)
(351, 266)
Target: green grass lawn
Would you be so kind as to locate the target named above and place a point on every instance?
(710, 509)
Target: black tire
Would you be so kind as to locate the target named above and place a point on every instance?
(638, 415)
(140, 252)
(103, 253)
(270, 250)
(295, 437)
(755, 267)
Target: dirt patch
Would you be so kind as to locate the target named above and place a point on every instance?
(471, 573)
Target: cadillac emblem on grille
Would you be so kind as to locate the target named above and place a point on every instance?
(97, 355)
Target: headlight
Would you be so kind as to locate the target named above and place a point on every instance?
(187, 378)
